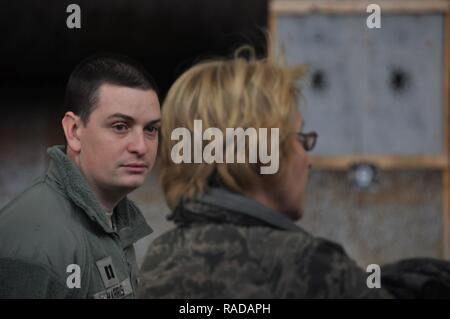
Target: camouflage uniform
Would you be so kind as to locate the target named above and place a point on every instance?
(229, 246)
(417, 278)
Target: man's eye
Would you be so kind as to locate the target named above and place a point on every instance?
(120, 128)
(152, 129)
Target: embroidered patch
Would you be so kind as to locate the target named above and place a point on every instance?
(116, 292)
(107, 271)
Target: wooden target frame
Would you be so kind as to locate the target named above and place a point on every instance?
(440, 162)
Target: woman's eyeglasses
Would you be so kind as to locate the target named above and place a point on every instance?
(308, 140)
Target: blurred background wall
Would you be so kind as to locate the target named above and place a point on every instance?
(379, 100)
(399, 217)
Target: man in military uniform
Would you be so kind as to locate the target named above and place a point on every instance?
(71, 234)
(235, 234)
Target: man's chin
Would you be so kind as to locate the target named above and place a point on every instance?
(130, 184)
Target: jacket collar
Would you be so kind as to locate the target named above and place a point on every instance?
(221, 205)
(131, 224)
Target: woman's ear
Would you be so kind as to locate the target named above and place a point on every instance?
(71, 124)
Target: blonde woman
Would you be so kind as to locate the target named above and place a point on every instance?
(235, 234)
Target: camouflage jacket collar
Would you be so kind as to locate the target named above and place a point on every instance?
(222, 206)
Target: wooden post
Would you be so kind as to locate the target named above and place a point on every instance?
(357, 6)
(446, 118)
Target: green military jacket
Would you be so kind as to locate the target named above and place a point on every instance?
(228, 246)
(56, 240)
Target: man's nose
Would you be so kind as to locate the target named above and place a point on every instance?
(138, 144)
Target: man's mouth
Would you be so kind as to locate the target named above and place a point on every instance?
(135, 167)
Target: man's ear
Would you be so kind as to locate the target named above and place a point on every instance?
(71, 124)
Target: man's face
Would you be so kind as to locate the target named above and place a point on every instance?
(120, 139)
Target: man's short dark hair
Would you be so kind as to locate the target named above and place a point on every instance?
(87, 77)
